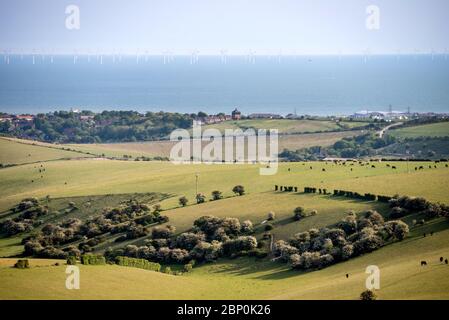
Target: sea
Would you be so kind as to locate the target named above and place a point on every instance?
(305, 85)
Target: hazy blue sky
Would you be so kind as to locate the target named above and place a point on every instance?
(264, 26)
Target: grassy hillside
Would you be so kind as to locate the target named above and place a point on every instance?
(428, 147)
(255, 207)
(286, 126)
(440, 129)
(402, 277)
(117, 181)
(162, 148)
(94, 184)
(97, 177)
(15, 151)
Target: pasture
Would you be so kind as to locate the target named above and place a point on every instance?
(402, 277)
(439, 129)
(98, 177)
(162, 148)
(93, 184)
(15, 151)
(286, 126)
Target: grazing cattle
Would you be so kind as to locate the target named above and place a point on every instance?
(288, 169)
(445, 261)
(441, 259)
(388, 165)
(323, 169)
(373, 166)
(393, 167)
(446, 165)
(347, 275)
(431, 233)
(416, 168)
(351, 169)
(423, 263)
(424, 234)
(421, 167)
(310, 168)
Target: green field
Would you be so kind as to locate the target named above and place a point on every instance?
(440, 129)
(162, 148)
(96, 183)
(96, 177)
(14, 151)
(402, 277)
(286, 126)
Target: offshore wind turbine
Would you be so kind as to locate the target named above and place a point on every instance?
(224, 57)
(194, 57)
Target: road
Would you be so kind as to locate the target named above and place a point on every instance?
(382, 132)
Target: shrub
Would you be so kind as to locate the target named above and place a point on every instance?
(52, 253)
(367, 242)
(188, 267)
(247, 226)
(216, 195)
(347, 251)
(183, 201)
(162, 232)
(200, 198)
(33, 247)
(396, 229)
(368, 295)
(398, 212)
(374, 217)
(309, 260)
(205, 251)
(90, 259)
(71, 260)
(138, 263)
(243, 243)
(239, 189)
(22, 264)
(283, 250)
(167, 270)
(298, 213)
(188, 240)
(178, 255)
(349, 224)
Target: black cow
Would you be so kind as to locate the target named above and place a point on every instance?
(445, 261)
(441, 259)
(423, 263)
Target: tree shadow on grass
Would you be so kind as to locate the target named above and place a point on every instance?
(247, 266)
